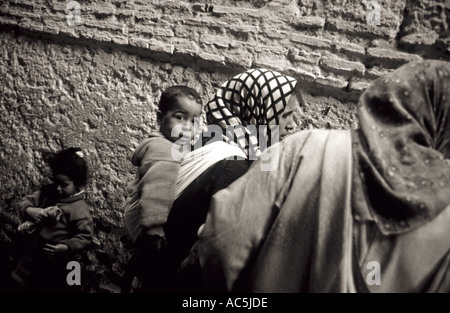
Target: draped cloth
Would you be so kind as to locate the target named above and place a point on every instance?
(402, 152)
(342, 199)
(254, 97)
(197, 161)
(403, 145)
(275, 237)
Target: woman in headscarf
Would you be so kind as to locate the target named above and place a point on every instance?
(346, 210)
(258, 97)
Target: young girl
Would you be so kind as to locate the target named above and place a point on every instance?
(56, 237)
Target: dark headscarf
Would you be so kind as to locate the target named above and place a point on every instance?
(255, 97)
(403, 145)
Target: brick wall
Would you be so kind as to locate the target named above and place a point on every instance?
(95, 83)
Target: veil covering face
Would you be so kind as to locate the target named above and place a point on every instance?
(402, 147)
(255, 97)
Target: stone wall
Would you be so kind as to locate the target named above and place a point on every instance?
(94, 82)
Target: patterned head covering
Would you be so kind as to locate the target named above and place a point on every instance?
(255, 97)
(403, 145)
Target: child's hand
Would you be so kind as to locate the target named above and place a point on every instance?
(54, 250)
(37, 214)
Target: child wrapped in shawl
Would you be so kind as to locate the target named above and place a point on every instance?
(161, 172)
(256, 97)
(342, 202)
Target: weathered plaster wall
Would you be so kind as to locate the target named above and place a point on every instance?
(96, 84)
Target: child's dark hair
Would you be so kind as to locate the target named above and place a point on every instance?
(70, 162)
(170, 95)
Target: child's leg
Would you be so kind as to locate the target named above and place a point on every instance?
(56, 277)
(49, 274)
(22, 271)
(20, 274)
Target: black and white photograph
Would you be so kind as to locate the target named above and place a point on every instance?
(215, 154)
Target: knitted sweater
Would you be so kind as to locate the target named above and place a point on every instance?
(74, 228)
(152, 193)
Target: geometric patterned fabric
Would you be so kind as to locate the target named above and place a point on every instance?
(255, 97)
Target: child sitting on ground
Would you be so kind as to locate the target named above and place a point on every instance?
(60, 222)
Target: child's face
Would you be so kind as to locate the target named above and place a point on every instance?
(65, 186)
(181, 117)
